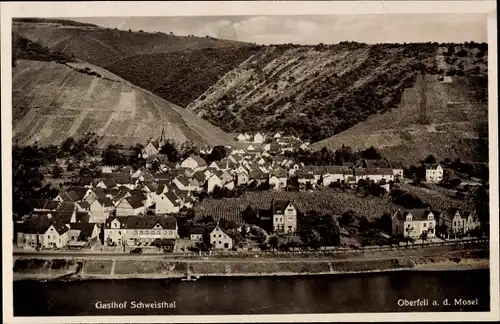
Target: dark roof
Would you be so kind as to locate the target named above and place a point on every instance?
(40, 222)
(280, 173)
(183, 180)
(256, 174)
(372, 163)
(118, 177)
(279, 206)
(77, 192)
(145, 222)
(135, 201)
(199, 175)
(373, 171)
(197, 230)
(45, 204)
(105, 201)
(109, 183)
(84, 204)
(432, 166)
(418, 214)
(172, 197)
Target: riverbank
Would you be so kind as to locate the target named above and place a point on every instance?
(74, 269)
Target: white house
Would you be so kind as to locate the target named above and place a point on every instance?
(100, 209)
(213, 182)
(132, 205)
(259, 138)
(136, 230)
(414, 222)
(433, 172)
(284, 216)
(166, 203)
(220, 240)
(241, 138)
(194, 162)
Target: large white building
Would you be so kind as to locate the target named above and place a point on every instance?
(414, 222)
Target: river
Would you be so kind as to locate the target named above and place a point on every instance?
(348, 293)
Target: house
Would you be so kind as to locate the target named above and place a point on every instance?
(152, 148)
(278, 179)
(433, 172)
(306, 178)
(459, 222)
(166, 203)
(42, 230)
(184, 184)
(398, 173)
(75, 194)
(196, 233)
(277, 136)
(83, 232)
(214, 181)
(241, 138)
(100, 209)
(284, 216)
(133, 205)
(241, 178)
(219, 239)
(334, 174)
(137, 230)
(413, 223)
(194, 162)
(259, 138)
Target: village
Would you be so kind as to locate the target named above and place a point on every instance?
(156, 207)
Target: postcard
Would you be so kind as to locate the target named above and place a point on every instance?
(249, 161)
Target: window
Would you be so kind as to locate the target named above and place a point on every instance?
(140, 232)
(220, 242)
(425, 224)
(220, 235)
(136, 232)
(48, 236)
(226, 245)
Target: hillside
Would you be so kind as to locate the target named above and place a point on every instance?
(318, 91)
(445, 119)
(182, 76)
(52, 101)
(103, 46)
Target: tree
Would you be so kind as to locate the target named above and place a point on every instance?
(371, 154)
(313, 240)
(274, 242)
(112, 155)
(430, 159)
(170, 150)
(347, 218)
(56, 172)
(218, 153)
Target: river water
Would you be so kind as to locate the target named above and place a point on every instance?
(348, 293)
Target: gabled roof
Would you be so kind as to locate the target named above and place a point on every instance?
(183, 180)
(256, 174)
(118, 177)
(199, 175)
(279, 173)
(279, 206)
(144, 222)
(197, 230)
(109, 183)
(199, 160)
(84, 204)
(431, 166)
(105, 201)
(135, 201)
(418, 214)
(172, 197)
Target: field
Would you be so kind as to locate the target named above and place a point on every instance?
(53, 101)
(324, 201)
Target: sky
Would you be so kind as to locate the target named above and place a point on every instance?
(328, 29)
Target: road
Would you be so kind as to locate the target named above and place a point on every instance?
(383, 255)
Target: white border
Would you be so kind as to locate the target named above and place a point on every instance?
(109, 9)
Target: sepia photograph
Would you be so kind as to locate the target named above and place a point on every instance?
(249, 164)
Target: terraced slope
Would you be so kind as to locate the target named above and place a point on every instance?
(446, 119)
(52, 101)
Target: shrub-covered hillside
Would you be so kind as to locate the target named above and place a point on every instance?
(23, 48)
(316, 92)
(184, 75)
